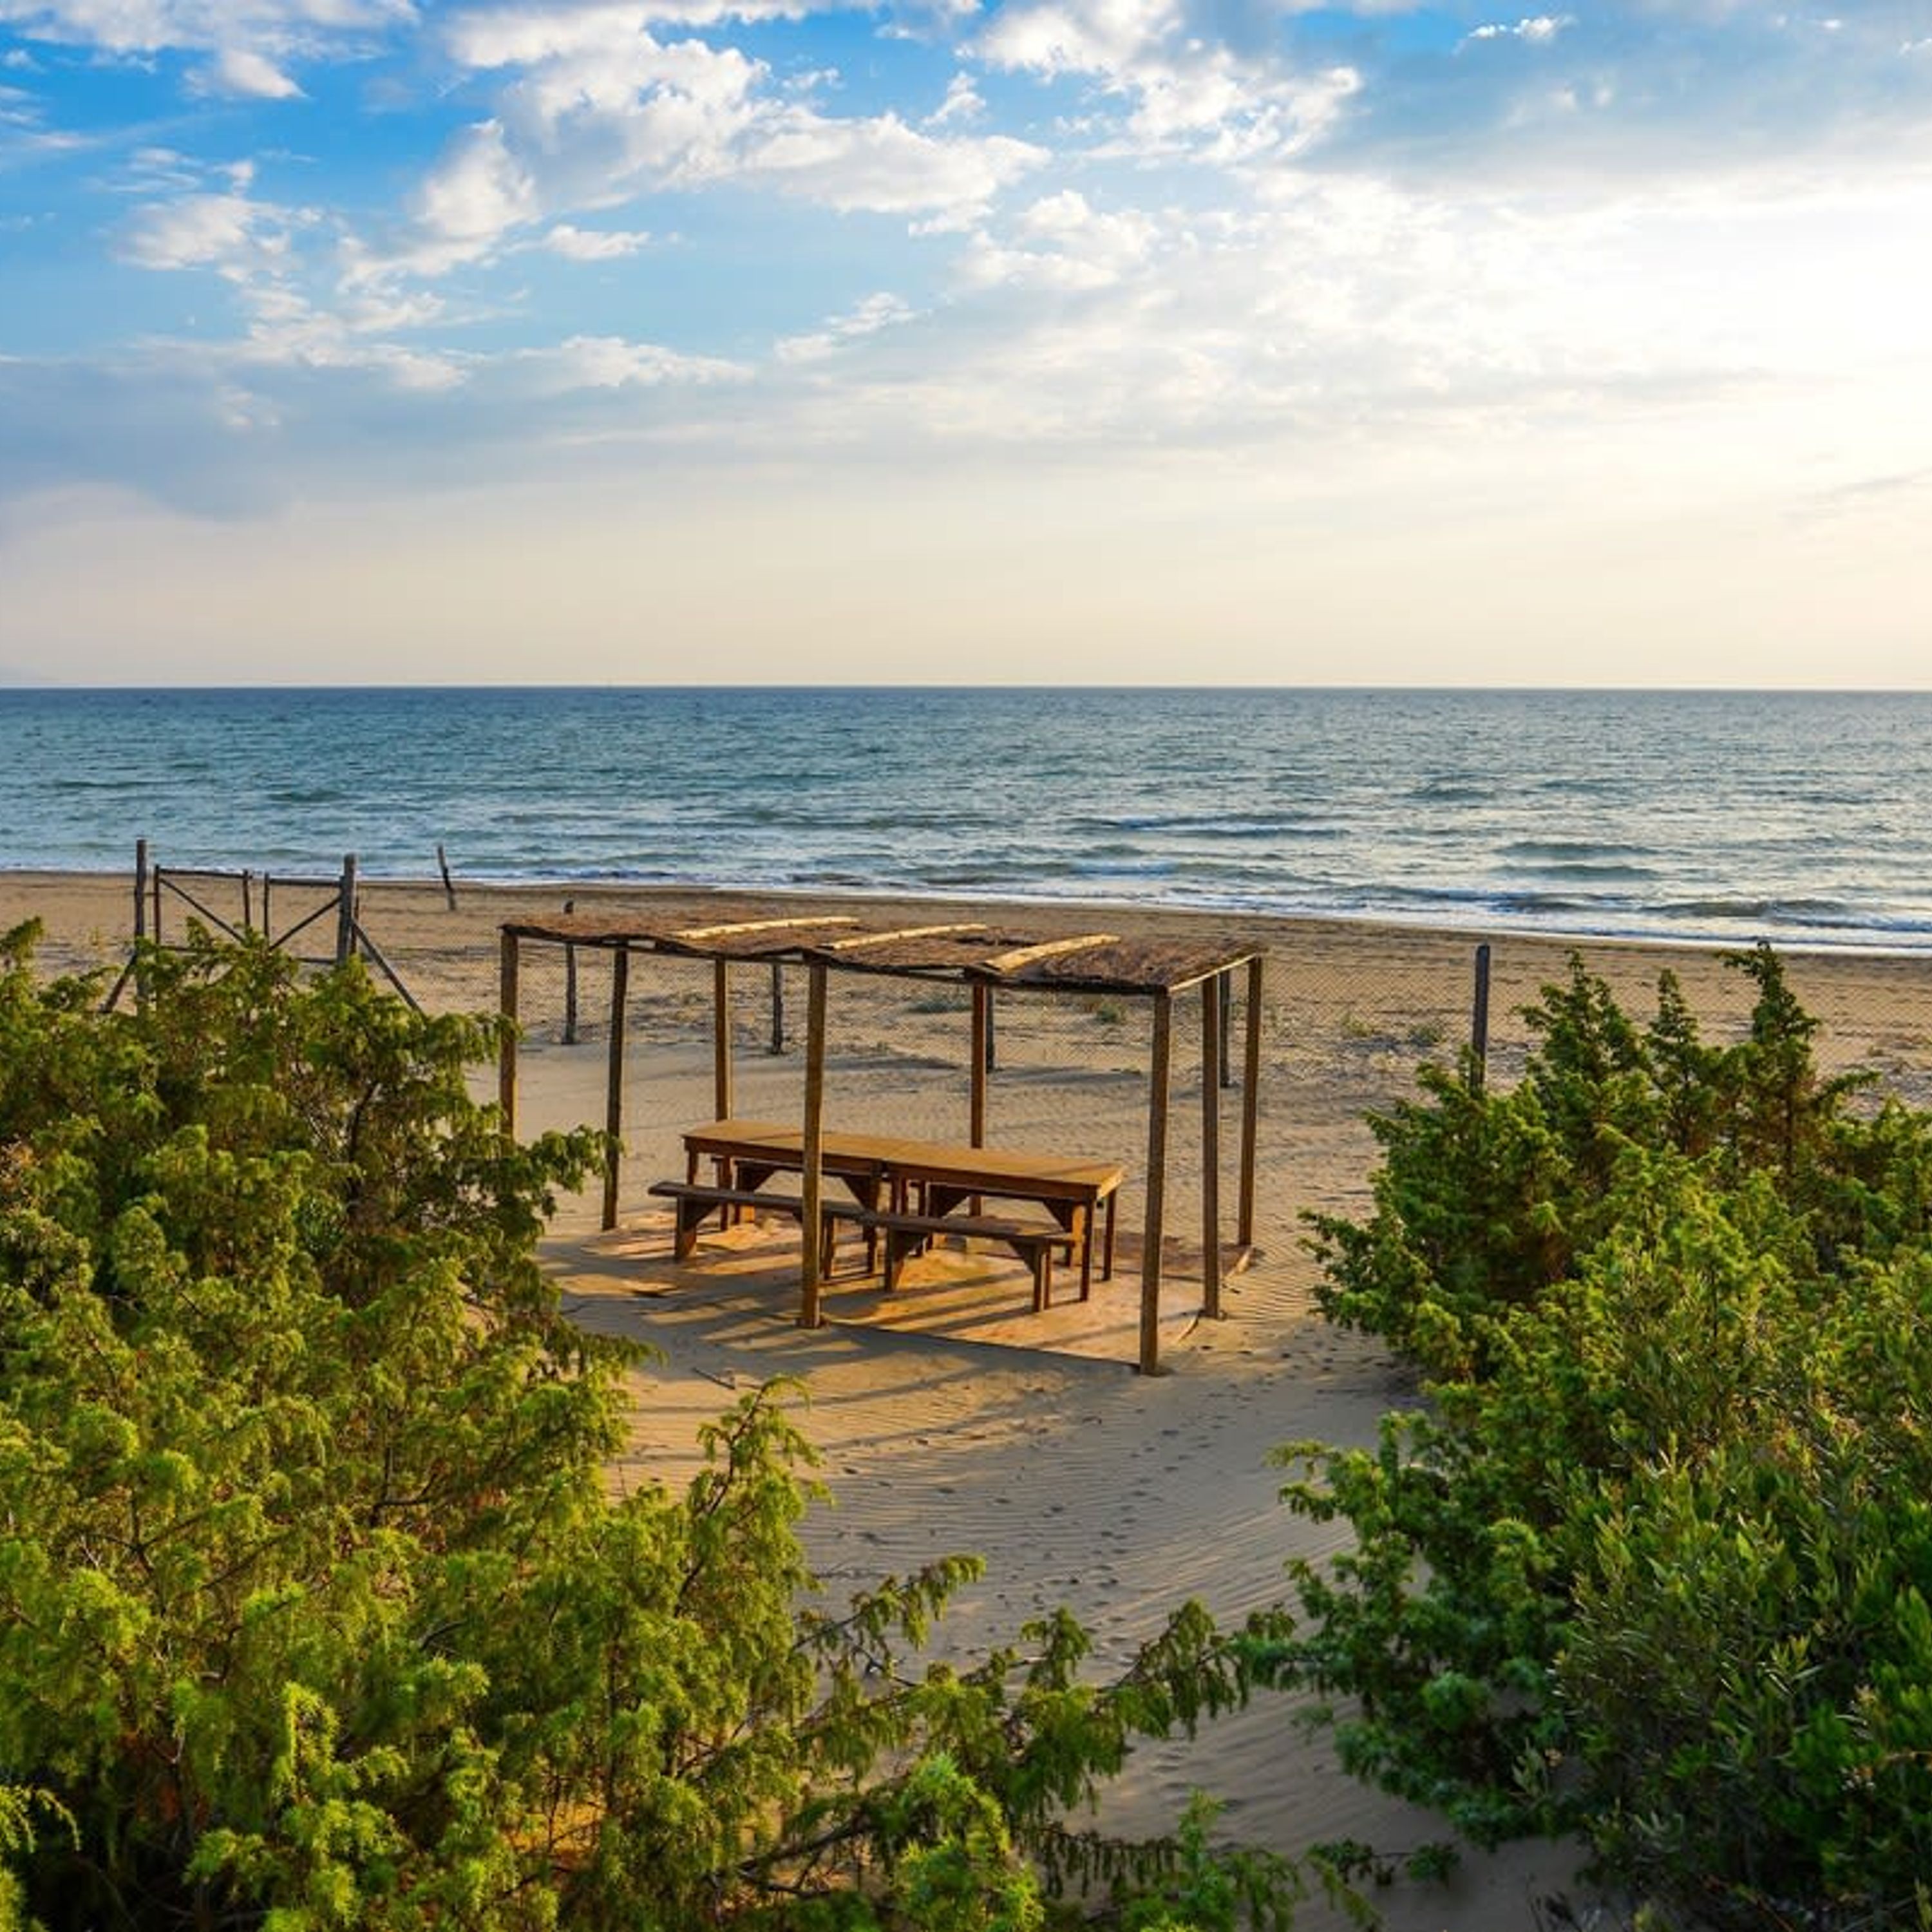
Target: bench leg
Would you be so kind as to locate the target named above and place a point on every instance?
(1042, 1259)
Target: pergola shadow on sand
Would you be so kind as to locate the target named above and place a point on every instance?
(984, 957)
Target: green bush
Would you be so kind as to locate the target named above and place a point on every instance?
(314, 1609)
(1652, 1562)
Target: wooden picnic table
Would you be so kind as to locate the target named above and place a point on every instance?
(911, 1190)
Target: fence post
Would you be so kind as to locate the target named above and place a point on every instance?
(777, 1008)
(345, 911)
(140, 890)
(569, 981)
(1479, 1020)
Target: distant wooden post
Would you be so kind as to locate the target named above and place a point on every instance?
(1251, 1105)
(1157, 1184)
(721, 1039)
(982, 1058)
(247, 901)
(140, 890)
(1211, 1055)
(345, 911)
(812, 1179)
(506, 1054)
(442, 866)
(1479, 1020)
(569, 981)
(613, 1099)
(777, 1008)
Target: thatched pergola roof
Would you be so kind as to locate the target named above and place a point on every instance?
(985, 955)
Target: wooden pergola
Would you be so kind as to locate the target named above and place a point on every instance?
(986, 958)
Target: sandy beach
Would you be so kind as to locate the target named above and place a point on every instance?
(948, 1417)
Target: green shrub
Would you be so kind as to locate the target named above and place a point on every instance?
(1653, 1562)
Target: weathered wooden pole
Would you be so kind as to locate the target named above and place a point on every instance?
(1210, 1146)
(982, 1058)
(1479, 1020)
(140, 890)
(442, 866)
(506, 1054)
(721, 1039)
(345, 911)
(569, 982)
(777, 1008)
(1251, 1106)
(613, 1097)
(1157, 1185)
(1226, 1056)
(812, 1179)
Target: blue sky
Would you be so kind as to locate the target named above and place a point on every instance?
(1112, 341)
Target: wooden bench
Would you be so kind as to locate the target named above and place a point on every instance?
(695, 1202)
(909, 1234)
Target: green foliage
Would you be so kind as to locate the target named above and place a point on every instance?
(314, 1609)
(1654, 1563)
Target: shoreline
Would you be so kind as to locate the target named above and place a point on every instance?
(1019, 908)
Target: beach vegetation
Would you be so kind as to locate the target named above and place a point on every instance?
(317, 1610)
(1649, 1562)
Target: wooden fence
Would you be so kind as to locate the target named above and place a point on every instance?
(280, 908)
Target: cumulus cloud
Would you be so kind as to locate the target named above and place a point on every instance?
(1187, 92)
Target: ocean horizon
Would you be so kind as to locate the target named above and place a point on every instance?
(1800, 818)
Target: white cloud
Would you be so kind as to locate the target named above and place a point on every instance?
(594, 245)
(962, 103)
(875, 312)
(480, 190)
(202, 231)
(883, 166)
(1540, 30)
(1061, 242)
(154, 26)
(238, 71)
(610, 362)
(1187, 94)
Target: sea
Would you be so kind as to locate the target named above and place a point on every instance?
(1805, 818)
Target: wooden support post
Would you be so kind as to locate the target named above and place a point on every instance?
(1479, 1020)
(721, 1039)
(506, 1054)
(1210, 1146)
(442, 866)
(812, 1179)
(982, 1058)
(1157, 1185)
(778, 1007)
(247, 901)
(1226, 1057)
(614, 1100)
(140, 890)
(345, 911)
(1251, 1106)
(569, 982)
